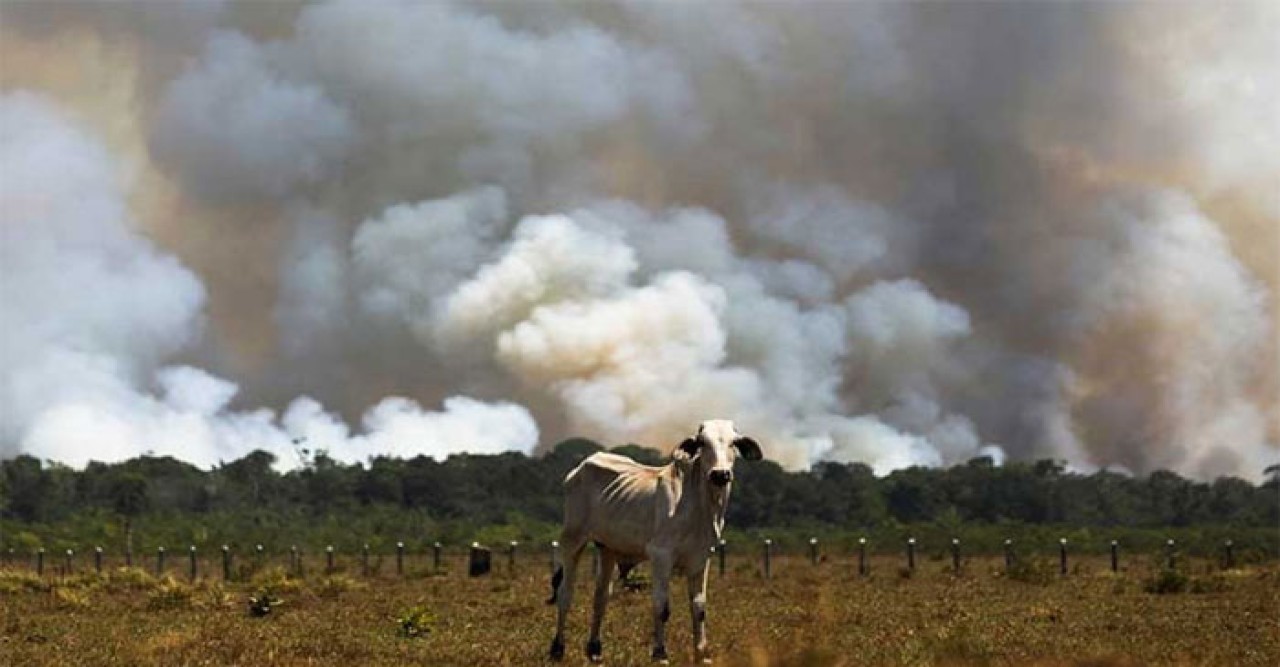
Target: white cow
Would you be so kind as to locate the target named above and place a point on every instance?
(670, 515)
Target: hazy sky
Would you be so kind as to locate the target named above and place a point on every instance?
(894, 233)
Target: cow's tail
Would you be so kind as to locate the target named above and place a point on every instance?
(555, 584)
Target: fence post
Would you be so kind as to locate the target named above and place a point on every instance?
(67, 562)
(399, 559)
(813, 551)
(193, 562)
(1008, 555)
(328, 559)
(159, 561)
(911, 554)
(97, 560)
(1229, 552)
(1062, 556)
(226, 563)
(1115, 556)
(955, 555)
(768, 557)
(862, 556)
(555, 556)
(259, 555)
(40, 562)
(720, 554)
(436, 548)
(511, 556)
(480, 560)
(364, 560)
(294, 563)
(1172, 554)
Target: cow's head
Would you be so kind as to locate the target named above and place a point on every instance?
(717, 445)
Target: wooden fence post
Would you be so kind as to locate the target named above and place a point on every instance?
(911, 554)
(862, 556)
(768, 557)
(400, 559)
(97, 560)
(955, 555)
(159, 561)
(1172, 555)
(226, 563)
(436, 548)
(192, 553)
(328, 559)
(1229, 560)
(813, 551)
(481, 561)
(1115, 556)
(67, 561)
(295, 562)
(1008, 555)
(511, 557)
(1062, 556)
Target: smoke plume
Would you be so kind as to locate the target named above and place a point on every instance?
(897, 234)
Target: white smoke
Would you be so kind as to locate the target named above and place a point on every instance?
(92, 310)
(866, 232)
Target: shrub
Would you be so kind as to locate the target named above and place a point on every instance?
(262, 602)
(337, 584)
(12, 583)
(69, 598)
(1039, 571)
(1166, 582)
(169, 593)
(416, 621)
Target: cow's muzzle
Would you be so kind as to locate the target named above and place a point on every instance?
(721, 477)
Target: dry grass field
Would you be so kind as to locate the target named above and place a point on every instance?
(803, 615)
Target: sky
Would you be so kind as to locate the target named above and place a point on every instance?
(896, 234)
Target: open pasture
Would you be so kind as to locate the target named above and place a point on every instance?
(803, 615)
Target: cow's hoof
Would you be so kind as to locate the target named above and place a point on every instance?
(660, 655)
(557, 649)
(595, 652)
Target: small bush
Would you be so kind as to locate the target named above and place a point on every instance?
(262, 602)
(416, 621)
(1168, 581)
(337, 584)
(169, 593)
(123, 579)
(277, 579)
(70, 598)
(1039, 571)
(12, 583)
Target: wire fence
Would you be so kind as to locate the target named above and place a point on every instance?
(241, 562)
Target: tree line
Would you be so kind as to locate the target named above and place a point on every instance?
(511, 496)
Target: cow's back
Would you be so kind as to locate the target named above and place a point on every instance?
(612, 499)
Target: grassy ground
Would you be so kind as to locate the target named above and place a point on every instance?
(803, 615)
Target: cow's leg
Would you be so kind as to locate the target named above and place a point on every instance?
(604, 584)
(698, 610)
(572, 549)
(661, 567)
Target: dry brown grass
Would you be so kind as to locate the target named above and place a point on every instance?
(802, 616)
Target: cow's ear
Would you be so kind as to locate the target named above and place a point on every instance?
(689, 446)
(748, 448)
